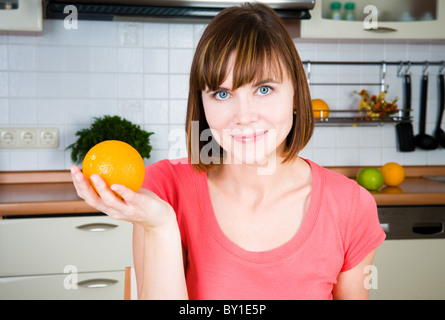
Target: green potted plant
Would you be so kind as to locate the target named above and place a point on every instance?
(110, 128)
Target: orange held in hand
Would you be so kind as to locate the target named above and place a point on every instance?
(393, 174)
(116, 162)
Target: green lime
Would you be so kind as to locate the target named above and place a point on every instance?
(370, 178)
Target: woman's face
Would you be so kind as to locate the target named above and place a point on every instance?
(252, 122)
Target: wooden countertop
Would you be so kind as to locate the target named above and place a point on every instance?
(39, 192)
(52, 192)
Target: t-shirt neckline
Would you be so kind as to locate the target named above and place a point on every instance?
(282, 251)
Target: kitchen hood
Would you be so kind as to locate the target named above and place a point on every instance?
(165, 9)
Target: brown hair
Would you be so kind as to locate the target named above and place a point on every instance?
(261, 44)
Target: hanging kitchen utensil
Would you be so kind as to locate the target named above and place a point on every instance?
(439, 134)
(422, 140)
(404, 128)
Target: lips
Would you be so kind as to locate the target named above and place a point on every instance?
(249, 137)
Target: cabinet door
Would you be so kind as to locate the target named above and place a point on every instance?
(395, 19)
(82, 286)
(48, 245)
(27, 16)
(410, 269)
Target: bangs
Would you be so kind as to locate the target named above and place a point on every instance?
(257, 57)
(252, 40)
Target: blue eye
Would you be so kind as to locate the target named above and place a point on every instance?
(221, 95)
(263, 90)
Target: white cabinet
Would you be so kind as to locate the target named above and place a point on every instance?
(395, 19)
(92, 286)
(21, 15)
(409, 270)
(48, 257)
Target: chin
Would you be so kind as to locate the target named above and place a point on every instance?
(250, 157)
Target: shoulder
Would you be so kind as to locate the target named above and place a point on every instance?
(332, 180)
(170, 179)
(352, 208)
(340, 191)
(169, 172)
(168, 167)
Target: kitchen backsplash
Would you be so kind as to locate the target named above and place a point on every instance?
(64, 78)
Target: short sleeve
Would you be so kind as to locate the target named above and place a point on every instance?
(171, 181)
(364, 232)
(158, 180)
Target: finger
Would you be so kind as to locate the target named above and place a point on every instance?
(85, 191)
(114, 204)
(81, 184)
(127, 194)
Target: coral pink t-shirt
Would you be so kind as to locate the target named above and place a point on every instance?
(340, 229)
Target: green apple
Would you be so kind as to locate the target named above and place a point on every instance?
(370, 178)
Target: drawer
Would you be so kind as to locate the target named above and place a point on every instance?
(91, 286)
(47, 245)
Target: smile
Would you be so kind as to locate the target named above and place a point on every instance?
(249, 138)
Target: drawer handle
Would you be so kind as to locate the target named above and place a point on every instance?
(97, 227)
(428, 228)
(97, 283)
(381, 30)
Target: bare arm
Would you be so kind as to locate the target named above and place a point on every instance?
(160, 265)
(158, 279)
(351, 284)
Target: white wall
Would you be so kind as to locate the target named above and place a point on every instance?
(63, 78)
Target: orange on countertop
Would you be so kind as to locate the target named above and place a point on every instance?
(116, 162)
(393, 174)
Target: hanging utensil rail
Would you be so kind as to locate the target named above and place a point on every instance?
(356, 117)
(383, 64)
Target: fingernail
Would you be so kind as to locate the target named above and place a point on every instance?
(94, 179)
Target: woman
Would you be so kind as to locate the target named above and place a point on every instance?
(244, 217)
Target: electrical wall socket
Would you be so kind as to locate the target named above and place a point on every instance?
(15, 138)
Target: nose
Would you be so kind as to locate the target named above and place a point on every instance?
(246, 112)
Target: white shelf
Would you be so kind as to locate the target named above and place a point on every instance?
(320, 27)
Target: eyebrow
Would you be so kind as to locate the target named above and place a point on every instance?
(260, 83)
(218, 89)
(255, 84)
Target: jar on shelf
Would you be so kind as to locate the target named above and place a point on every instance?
(336, 11)
(350, 11)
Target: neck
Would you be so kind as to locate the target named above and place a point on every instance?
(245, 178)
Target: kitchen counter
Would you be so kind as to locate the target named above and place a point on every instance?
(417, 189)
(52, 192)
(39, 192)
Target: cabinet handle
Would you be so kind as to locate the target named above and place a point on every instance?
(97, 227)
(97, 283)
(381, 29)
(428, 228)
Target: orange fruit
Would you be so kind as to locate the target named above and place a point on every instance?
(116, 162)
(370, 178)
(321, 108)
(393, 174)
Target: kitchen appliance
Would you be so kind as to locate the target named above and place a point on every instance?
(439, 134)
(423, 140)
(410, 263)
(404, 128)
(166, 9)
(21, 15)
